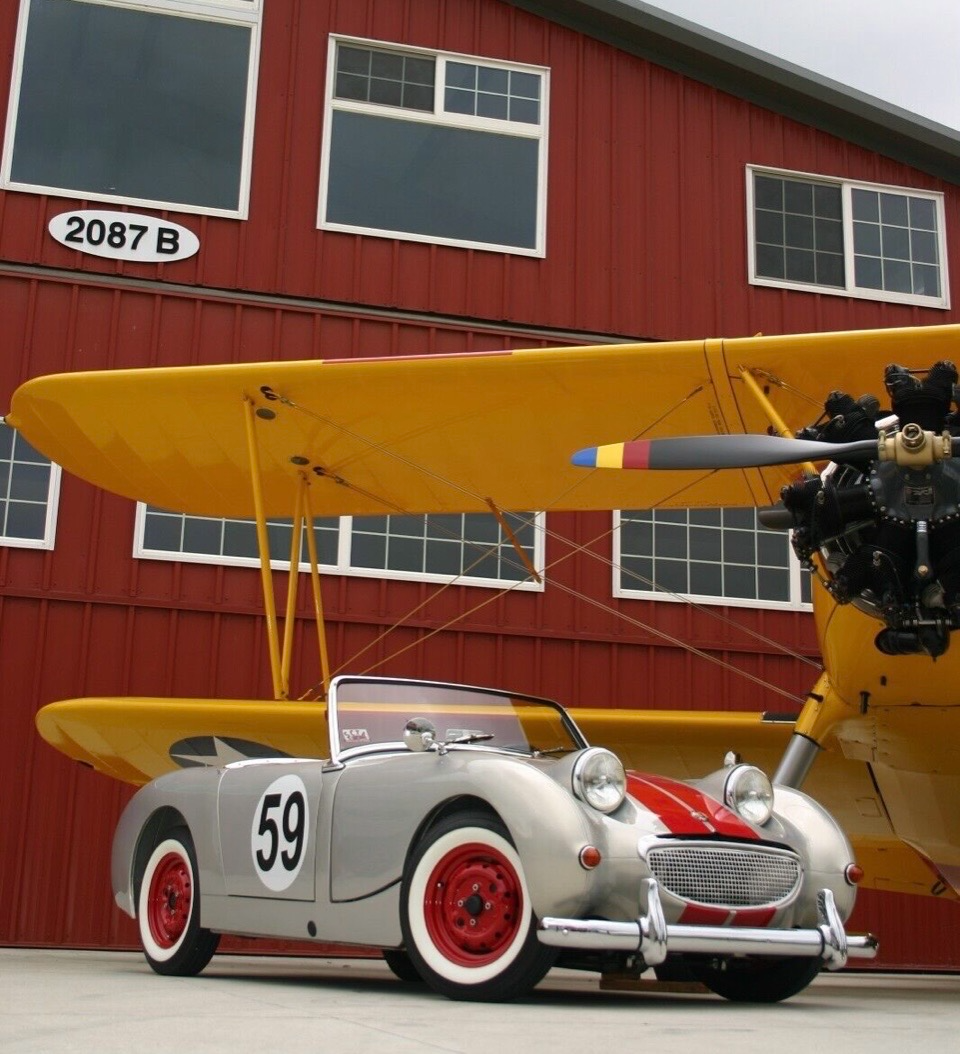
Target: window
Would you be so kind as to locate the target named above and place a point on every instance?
(149, 103)
(854, 239)
(719, 555)
(472, 547)
(433, 147)
(29, 492)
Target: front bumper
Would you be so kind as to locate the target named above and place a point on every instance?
(653, 939)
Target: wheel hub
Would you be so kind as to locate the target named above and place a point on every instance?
(473, 905)
(170, 897)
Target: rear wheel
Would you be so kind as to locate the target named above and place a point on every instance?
(465, 912)
(756, 980)
(168, 909)
(401, 966)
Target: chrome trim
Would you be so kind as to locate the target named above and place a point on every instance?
(651, 939)
(723, 856)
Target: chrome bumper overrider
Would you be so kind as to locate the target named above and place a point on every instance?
(652, 938)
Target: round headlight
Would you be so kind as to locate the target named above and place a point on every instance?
(749, 793)
(599, 779)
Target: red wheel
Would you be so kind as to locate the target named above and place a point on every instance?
(474, 904)
(168, 910)
(169, 900)
(465, 912)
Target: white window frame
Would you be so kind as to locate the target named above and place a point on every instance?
(640, 593)
(439, 116)
(343, 565)
(847, 186)
(50, 522)
(245, 13)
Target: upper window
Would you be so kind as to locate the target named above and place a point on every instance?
(434, 147)
(29, 491)
(471, 547)
(854, 239)
(712, 555)
(147, 103)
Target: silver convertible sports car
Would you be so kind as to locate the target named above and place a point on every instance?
(478, 839)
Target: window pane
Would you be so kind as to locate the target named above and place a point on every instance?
(798, 197)
(26, 520)
(132, 103)
(768, 192)
(240, 539)
(729, 562)
(706, 579)
(800, 265)
(671, 575)
(29, 482)
(896, 243)
(923, 214)
(926, 280)
(869, 274)
(771, 261)
(417, 178)
(830, 270)
(162, 532)
(202, 535)
(866, 238)
(893, 209)
(26, 485)
(866, 205)
(896, 276)
(798, 232)
(923, 246)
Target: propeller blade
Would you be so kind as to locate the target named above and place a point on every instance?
(718, 451)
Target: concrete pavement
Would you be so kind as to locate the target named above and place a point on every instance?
(53, 1001)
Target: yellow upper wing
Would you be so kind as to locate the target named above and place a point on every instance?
(445, 433)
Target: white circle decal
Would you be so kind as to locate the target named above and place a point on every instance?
(278, 836)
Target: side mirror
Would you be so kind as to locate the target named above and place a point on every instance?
(419, 734)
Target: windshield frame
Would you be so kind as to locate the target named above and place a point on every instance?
(459, 696)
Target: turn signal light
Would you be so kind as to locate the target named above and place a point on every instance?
(589, 857)
(853, 873)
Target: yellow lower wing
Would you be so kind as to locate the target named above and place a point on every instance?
(138, 739)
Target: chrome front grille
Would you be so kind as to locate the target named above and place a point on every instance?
(735, 876)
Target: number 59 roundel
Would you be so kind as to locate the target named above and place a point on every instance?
(278, 835)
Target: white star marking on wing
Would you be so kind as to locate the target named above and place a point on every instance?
(224, 755)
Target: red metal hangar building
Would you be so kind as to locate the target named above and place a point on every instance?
(238, 180)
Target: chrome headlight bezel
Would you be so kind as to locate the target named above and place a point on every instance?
(749, 793)
(599, 780)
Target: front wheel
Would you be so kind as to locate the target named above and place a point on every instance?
(465, 912)
(168, 909)
(757, 980)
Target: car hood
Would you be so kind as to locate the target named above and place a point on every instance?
(686, 810)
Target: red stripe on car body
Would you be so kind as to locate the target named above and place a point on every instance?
(686, 810)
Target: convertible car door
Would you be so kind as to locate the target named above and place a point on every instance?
(267, 811)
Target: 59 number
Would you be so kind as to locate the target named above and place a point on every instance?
(279, 832)
(292, 823)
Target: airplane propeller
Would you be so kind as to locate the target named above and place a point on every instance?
(911, 446)
(719, 451)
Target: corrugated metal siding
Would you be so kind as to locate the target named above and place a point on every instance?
(646, 236)
(646, 222)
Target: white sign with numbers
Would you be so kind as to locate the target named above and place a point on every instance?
(278, 835)
(123, 236)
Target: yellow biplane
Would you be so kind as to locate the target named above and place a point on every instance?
(438, 434)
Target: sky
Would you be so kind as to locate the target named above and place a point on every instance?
(906, 52)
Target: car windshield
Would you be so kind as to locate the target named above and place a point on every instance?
(368, 712)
